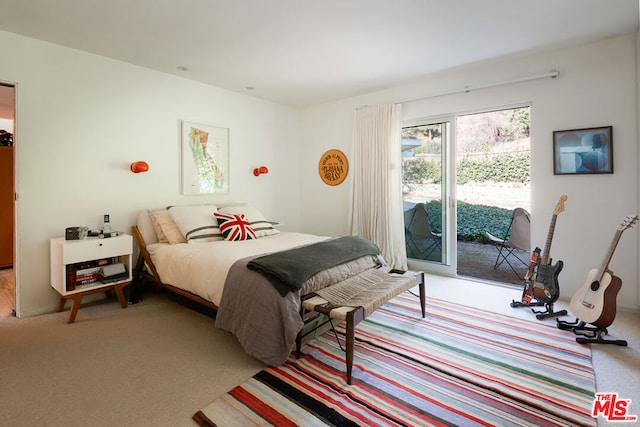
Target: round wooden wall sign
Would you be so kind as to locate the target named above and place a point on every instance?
(333, 167)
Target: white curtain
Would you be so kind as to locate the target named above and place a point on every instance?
(376, 193)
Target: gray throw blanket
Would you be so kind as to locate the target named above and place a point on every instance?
(288, 270)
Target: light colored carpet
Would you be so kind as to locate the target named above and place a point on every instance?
(151, 364)
(157, 363)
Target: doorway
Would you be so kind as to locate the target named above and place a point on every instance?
(493, 171)
(479, 165)
(7, 201)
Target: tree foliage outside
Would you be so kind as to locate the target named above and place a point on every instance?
(492, 147)
(476, 131)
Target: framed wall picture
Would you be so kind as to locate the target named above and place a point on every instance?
(205, 159)
(583, 151)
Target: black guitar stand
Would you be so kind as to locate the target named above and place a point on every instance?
(540, 315)
(566, 325)
(516, 304)
(588, 334)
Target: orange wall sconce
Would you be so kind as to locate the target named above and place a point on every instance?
(260, 171)
(140, 166)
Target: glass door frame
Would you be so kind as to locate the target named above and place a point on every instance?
(448, 266)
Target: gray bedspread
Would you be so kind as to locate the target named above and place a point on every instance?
(288, 270)
(264, 322)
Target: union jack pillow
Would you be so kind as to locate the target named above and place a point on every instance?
(234, 227)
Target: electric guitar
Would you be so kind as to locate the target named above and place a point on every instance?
(545, 288)
(595, 301)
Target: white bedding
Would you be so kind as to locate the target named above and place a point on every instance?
(201, 268)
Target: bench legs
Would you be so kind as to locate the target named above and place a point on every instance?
(354, 317)
(423, 293)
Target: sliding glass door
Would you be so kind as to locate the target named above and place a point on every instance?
(462, 176)
(429, 211)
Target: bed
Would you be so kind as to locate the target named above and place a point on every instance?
(185, 250)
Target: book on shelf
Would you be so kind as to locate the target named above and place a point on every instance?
(88, 278)
(71, 277)
(88, 272)
(87, 281)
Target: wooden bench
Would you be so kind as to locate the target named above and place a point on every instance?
(354, 299)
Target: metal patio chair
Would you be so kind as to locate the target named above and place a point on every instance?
(418, 234)
(517, 237)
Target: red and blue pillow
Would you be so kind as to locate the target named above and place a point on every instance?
(234, 227)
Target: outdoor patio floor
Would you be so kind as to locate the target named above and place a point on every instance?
(476, 260)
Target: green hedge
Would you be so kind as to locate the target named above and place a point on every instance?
(473, 220)
(502, 168)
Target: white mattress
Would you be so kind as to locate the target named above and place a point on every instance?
(201, 268)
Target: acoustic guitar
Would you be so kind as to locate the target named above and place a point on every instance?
(595, 301)
(545, 288)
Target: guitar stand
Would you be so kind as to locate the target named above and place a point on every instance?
(565, 325)
(594, 336)
(516, 304)
(588, 334)
(548, 312)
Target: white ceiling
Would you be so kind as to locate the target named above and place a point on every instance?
(303, 52)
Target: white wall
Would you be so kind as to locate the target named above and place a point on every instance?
(82, 119)
(596, 87)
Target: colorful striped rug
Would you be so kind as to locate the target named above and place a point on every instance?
(460, 366)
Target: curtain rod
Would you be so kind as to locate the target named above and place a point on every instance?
(552, 74)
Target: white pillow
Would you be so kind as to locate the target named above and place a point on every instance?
(197, 223)
(260, 225)
(165, 227)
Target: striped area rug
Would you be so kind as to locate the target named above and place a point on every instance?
(460, 366)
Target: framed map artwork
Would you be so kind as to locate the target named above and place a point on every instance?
(205, 159)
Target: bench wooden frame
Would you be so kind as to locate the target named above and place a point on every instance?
(352, 316)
